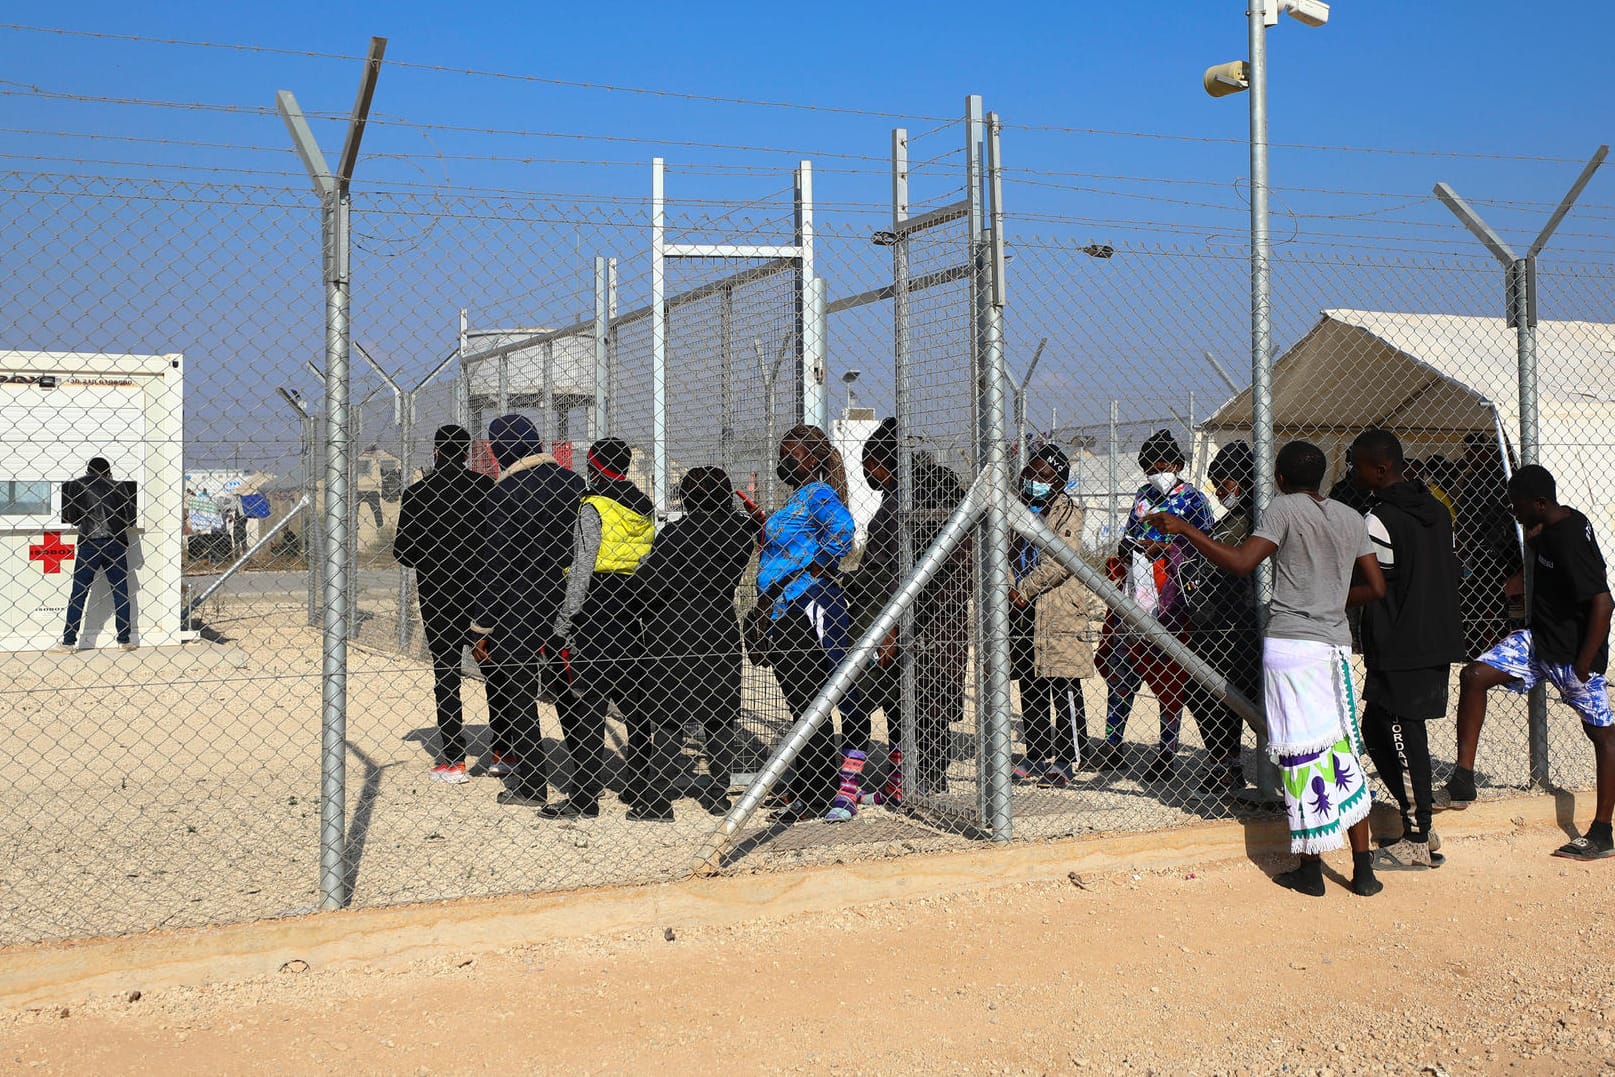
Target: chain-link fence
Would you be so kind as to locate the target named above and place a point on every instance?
(575, 654)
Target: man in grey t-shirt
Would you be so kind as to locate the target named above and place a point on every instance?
(1316, 546)
(1313, 540)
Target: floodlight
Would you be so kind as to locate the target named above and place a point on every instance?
(1311, 12)
(1225, 79)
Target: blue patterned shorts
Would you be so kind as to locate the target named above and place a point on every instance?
(1517, 657)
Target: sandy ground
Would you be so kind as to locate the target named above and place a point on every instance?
(1493, 964)
(176, 787)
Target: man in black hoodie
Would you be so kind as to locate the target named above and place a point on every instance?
(1411, 638)
(530, 513)
(440, 534)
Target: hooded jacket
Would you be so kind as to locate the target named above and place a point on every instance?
(687, 584)
(530, 514)
(1417, 624)
(441, 532)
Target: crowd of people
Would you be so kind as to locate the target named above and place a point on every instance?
(573, 593)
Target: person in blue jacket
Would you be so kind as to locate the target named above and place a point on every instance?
(799, 586)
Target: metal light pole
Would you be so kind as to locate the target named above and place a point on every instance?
(335, 202)
(1020, 402)
(1218, 82)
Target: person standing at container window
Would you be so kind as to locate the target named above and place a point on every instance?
(104, 513)
(799, 589)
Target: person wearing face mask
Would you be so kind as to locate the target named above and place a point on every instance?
(801, 595)
(940, 615)
(1222, 609)
(1153, 564)
(1049, 610)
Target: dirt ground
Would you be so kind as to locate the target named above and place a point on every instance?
(1493, 964)
(173, 787)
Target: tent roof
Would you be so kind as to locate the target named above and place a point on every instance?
(1424, 374)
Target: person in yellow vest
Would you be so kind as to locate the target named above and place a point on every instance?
(603, 648)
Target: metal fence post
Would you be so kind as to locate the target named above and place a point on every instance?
(406, 472)
(338, 453)
(903, 412)
(726, 378)
(1267, 775)
(995, 563)
(1521, 280)
(602, 348)
(313, 529)
(658, 337)
(335, 203)
(1113, 478)
(1519, 275)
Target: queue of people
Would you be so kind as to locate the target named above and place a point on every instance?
(574, 593)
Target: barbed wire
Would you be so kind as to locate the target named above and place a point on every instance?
(447, 69)
(760, 103)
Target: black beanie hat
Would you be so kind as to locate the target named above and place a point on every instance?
(1055, 457)
(1160, 445)
(611, 456)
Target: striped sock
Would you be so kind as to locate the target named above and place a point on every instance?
(852, 769)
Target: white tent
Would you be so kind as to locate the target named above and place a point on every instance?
(1431, 379)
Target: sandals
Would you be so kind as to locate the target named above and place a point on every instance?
(1582, 849)
(1407, 856)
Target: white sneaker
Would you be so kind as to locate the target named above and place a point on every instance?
(449, 774)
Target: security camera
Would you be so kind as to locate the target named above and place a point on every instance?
(1311, 12)
(1224, 79)
(851, 376)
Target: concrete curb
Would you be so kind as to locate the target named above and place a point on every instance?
(54, 973)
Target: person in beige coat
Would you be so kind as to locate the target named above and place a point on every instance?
(1050, 623)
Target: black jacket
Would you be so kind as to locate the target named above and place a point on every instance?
(442, 528)
(687, 584)
(1417, 624)
(531, 511)
(942, 608)
(88, 498)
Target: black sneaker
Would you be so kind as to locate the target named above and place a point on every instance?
(651, 813)
(1109, 758)
(570, 808)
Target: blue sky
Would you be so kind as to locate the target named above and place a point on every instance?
(1483, 81)
(1487, 76)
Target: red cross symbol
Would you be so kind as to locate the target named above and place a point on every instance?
(53, 551)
